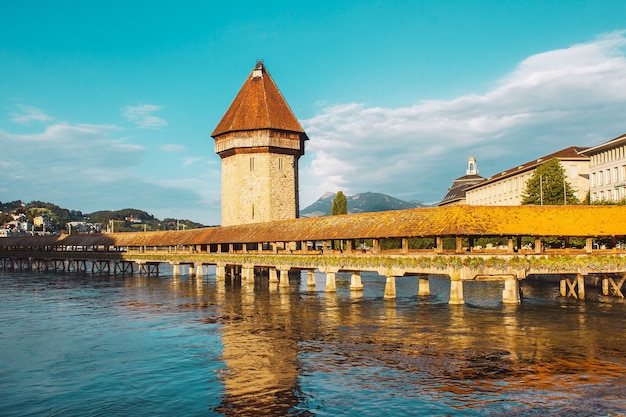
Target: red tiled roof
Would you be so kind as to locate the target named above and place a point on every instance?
(605, 146)
(258, 105)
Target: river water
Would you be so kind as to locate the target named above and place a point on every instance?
(91, 345)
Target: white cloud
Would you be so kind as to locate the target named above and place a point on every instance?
(143, 117)
(85, 167)
(556, 99)
(26, 114)
(173, 147)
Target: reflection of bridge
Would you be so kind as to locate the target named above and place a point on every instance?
(573, 242)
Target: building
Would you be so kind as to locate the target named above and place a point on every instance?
(260, 142)
(607, 169)
(456, 192)
(507, 187)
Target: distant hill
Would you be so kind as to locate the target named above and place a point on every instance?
(360, 203)
(126, 220)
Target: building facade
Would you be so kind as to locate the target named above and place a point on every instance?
(607, 166)
(456, 192)
(507, 187)
(260, 142)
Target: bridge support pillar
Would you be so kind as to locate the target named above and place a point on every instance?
(423, 288)
(247, 274)
(176, 269)
(390, 287)
(220, 271)
(580, 279)
(273, 276)
(609, 286)
(199, 271)
(511, 293)
(331, 285)
(310, 279)
(284, 277)
(456, 292)
(192, 270)
(355, 282)
(573, 288)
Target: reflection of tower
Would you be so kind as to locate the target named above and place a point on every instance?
(260, 141)
(260, 345)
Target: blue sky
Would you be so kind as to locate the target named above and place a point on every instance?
(109, 105)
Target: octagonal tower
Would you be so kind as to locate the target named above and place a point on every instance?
(260, 142)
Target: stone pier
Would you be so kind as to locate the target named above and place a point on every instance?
(423, 288)
(355, 282)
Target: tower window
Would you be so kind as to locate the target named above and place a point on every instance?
(280, 164)
(252, 164)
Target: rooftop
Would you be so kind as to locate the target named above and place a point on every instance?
(258, 105)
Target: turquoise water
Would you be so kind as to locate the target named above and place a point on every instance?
(89, 345)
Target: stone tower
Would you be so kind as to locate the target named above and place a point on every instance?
(260, 141)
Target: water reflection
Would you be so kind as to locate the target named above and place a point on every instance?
(261, 349)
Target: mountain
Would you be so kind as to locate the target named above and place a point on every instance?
(359, 203)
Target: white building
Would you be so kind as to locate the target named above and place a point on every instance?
(607, 167)
(507, 187)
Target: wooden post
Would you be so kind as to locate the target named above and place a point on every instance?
(589, 245)
(375, 246)
(405, 245)
(580, 278)
(439, 245)
(459, 244)
(510, 248)
(538, 245)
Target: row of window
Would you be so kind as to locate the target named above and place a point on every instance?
(615, 194)
(608, 176)
(609, 156)
(496, 193)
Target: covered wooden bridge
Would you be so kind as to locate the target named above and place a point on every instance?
(463, 242)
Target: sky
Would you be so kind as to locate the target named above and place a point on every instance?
(106, 105)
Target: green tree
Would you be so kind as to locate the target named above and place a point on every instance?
(340, 205)
(547, 186)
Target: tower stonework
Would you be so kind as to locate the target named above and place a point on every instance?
(260, 142)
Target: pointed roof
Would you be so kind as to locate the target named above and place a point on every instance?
(258, 105)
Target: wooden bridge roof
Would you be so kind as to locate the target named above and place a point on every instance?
(459, 220)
